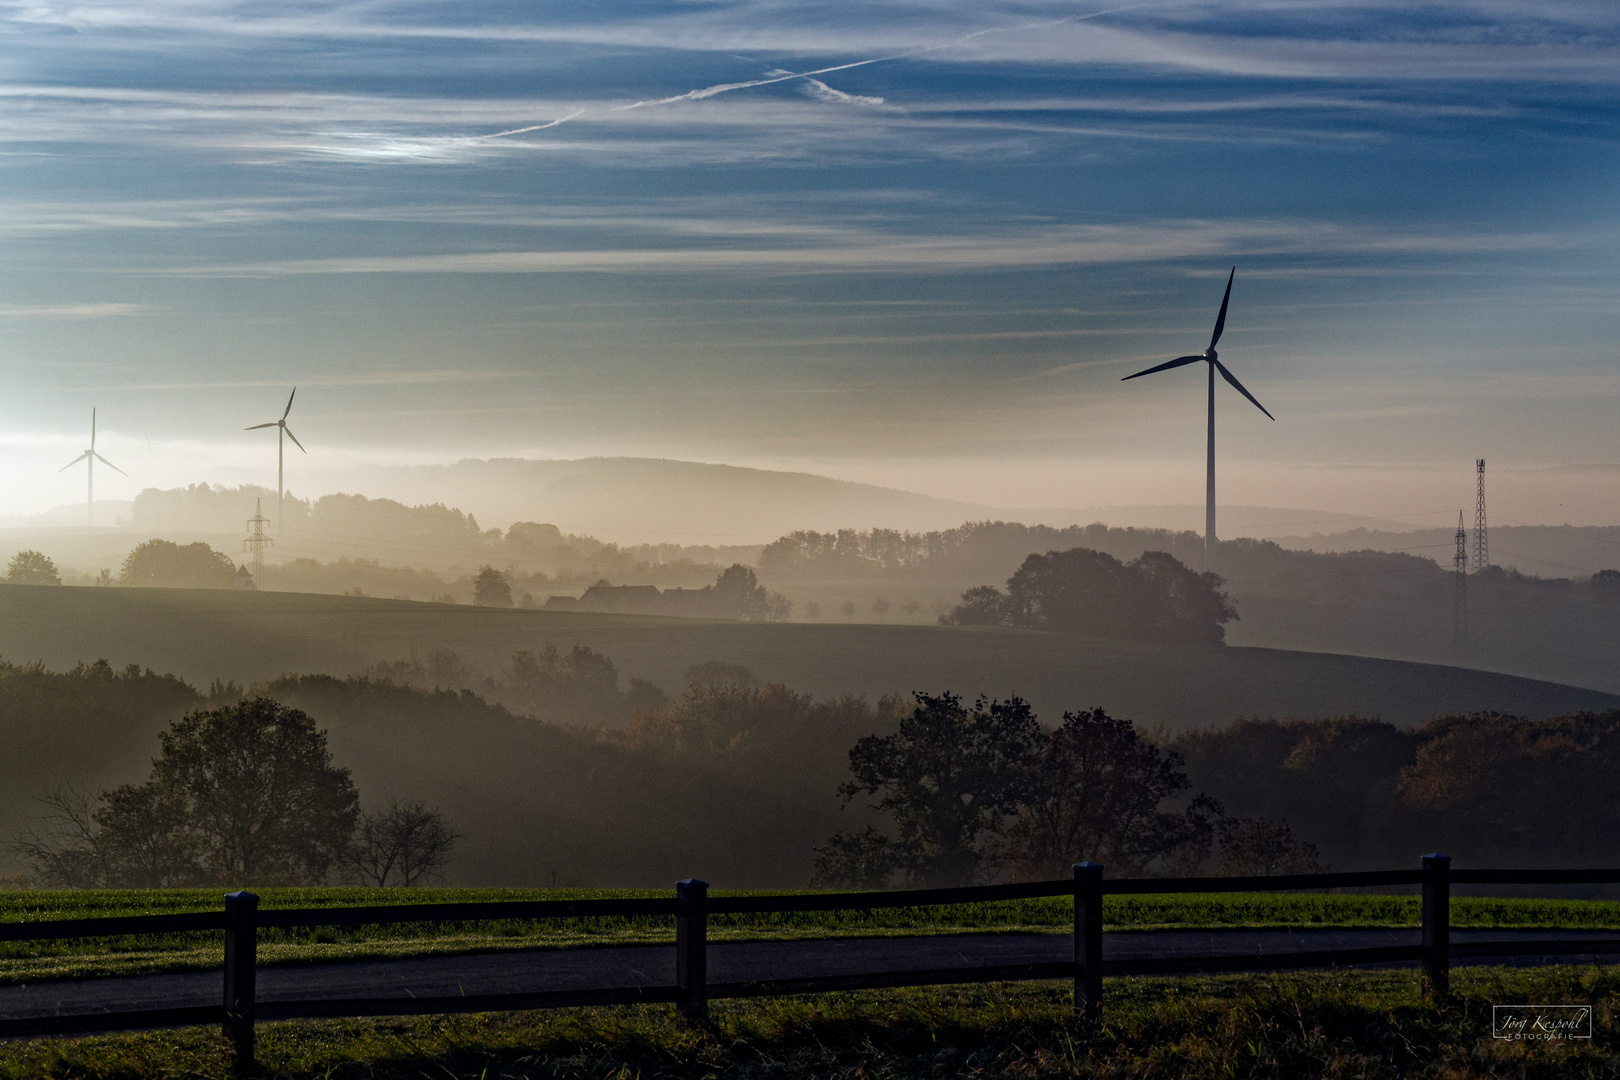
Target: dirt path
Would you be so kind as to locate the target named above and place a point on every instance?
(651, 965)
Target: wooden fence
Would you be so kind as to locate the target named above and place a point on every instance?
(692, 905)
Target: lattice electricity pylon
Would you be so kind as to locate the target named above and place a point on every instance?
(1459, 615)
(257, 541)
(1482, 549)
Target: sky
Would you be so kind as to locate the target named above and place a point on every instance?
(915, 244)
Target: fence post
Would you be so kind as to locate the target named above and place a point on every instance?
(692, 950)
(1436, 925)
(1088, 939)
(241, 963)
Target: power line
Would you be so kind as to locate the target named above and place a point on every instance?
(257, 541)
(1459, 613)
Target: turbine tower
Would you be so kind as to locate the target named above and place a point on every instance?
(1212, 360)
(281, 451)
(90, 457)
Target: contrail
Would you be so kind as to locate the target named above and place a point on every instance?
(536, 127)
(726, 88)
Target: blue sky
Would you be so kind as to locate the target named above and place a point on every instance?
(912, 243)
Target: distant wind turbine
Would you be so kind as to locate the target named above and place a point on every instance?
(281, 486)
(91, 457)
(1209, 357)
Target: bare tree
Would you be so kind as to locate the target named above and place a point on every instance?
(402, 844)
(65, 849)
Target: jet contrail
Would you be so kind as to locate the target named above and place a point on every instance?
(726, 88)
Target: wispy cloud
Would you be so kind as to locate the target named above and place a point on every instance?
(72, 311)
(1055, 245)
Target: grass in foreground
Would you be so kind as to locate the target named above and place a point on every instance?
(1348, 1024)
(37, 961)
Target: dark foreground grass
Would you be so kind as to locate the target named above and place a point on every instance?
(1345, 1024)
(80, 958)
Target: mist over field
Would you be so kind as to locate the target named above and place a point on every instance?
(596, 447)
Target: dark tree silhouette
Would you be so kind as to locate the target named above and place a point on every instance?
(1100, 791)
(491, 588)
(1151, 598)
(245, 794)
(1257, 847)
(32, 568)
(403, 844)
(163, 563)
(948, 775)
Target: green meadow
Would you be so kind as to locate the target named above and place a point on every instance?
(80, 958)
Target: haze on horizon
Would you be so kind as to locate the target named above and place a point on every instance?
(913, 246)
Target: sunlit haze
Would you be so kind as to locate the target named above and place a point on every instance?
(911, 246)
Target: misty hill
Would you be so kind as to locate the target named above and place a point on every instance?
(432, 538)
(202, 635)
(538, 804)
(642, 500)
(1556, 551)
(1369, 603)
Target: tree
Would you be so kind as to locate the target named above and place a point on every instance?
(32, 568)
(260, 792)
(402, 844)
(947, 776)
(1151, 598)
(1256, 847)
(581, 670)
(1099, 791)
(737, 594)
(163, 563)
(241, 794)
(863, 860)
(491, 588)
(982, 605)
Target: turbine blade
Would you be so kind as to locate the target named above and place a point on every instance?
(256, 427)
(289, 403)
(1229, 377)
(293, 437)
(1220, 320)
(92, 429)
(1166, 366)
(110, 465)
(74, 462)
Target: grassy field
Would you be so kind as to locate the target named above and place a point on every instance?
(202, 635)
(1368, 1025)
(32, 961)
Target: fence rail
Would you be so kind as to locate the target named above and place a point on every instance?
(691, 907)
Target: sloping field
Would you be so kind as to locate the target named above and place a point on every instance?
(201, 635)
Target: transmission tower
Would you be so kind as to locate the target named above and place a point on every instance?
(1482, 550)
(1459, 617)
(257, 541)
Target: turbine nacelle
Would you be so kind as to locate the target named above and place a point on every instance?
(1211, 355)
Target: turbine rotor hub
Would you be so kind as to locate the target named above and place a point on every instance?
(1210, 355)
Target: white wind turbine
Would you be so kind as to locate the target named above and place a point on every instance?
(90, 456)
(281, 453)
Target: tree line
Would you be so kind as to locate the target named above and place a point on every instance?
(985, 792)
(740, 777)
(1154, 597)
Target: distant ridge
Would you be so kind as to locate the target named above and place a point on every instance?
(639, 500)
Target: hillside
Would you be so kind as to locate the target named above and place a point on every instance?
(643, 500)
(1554, 551)
(202, 635)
